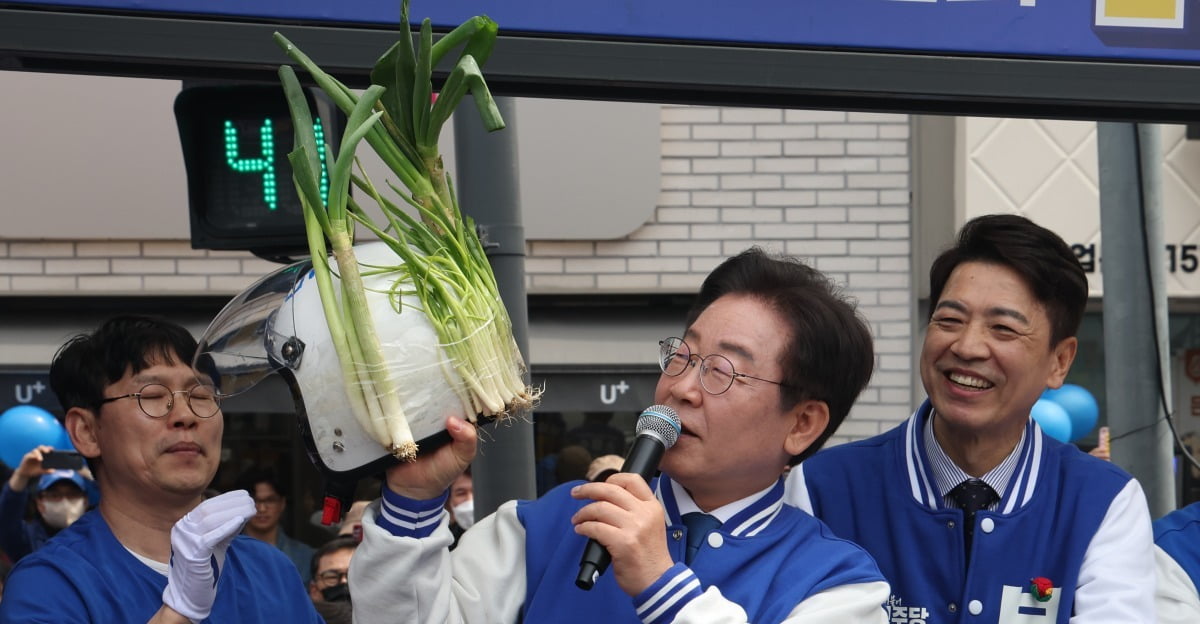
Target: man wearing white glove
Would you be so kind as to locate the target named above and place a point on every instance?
(198, 545)
(150, 426)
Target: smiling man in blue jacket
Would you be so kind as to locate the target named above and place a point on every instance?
(972, 512)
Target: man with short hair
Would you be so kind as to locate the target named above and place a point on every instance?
(150, 427)
(59, 495)
(973, 513)
(329, 568)
(769, 361)
(269, 504)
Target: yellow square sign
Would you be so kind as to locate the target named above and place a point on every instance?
(1145, 9)
(1143, 13)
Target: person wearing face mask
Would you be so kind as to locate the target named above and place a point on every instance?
(60, 496)
(61, 499)
(461, 505)
(330, 564)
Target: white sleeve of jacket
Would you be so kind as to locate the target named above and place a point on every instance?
(1175, 599)
(796, 490)
(861, 603)
(420, 581)
(1116, 580)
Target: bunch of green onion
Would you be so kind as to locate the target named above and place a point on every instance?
(439, 258)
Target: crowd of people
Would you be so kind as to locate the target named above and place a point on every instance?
(967, 511)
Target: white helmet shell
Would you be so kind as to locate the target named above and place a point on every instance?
(296, 341)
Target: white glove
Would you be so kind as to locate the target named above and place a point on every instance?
(198, 544)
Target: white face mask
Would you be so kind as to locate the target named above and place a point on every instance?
(464, 513)
(60, 514)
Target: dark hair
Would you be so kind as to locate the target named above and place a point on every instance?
(338, 543)
(253, 476)
(1040, 257)
(88, 363)
(572, 463)
(829, 355)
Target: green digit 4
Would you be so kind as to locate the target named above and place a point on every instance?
(264, 164)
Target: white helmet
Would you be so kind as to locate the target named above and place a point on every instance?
(278, 325)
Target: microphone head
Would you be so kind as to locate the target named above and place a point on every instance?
(660, 421)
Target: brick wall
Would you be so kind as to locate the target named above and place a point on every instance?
(832, 187)
(118, 268)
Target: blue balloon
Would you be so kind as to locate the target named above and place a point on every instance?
(24, 427)
(1053, 419)
(1081, 407)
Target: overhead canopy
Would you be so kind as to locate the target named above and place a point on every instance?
(991, 57)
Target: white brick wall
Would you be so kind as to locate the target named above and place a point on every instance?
(831, 187)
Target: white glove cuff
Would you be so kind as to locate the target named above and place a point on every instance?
(179, 602)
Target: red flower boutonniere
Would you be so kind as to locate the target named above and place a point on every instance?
(1041, 588)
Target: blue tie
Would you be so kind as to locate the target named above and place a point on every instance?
(699, 525)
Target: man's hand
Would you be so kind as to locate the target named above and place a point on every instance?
(30, 469)
(430, 475)
(198, 544)
(628, 520)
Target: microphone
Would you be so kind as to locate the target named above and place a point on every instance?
(657, 430)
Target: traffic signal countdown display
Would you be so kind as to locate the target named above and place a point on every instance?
(235, 142)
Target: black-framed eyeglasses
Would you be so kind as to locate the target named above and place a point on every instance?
(333, 577)
(156, 400)
(716, 371)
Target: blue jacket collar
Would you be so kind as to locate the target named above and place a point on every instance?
(920, 477)
(746, 523)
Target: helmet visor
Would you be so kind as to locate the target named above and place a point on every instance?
(248, 340)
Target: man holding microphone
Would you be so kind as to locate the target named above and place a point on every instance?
(767, 366)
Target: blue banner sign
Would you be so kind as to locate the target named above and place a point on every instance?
(1147, 30)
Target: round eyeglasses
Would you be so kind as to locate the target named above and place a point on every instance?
(333, 577)
(156, 400)
(716, 371)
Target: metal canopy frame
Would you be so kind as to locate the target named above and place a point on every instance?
(651, 71)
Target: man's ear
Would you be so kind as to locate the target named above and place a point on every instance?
(1063, 355)
(811, 417)
(82, 426)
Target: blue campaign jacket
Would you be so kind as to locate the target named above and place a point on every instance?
(1178, 533)
(768, 558)
(85, 575)
(881, 494)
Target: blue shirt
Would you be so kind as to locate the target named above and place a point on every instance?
(299, 552)
(85, 575)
